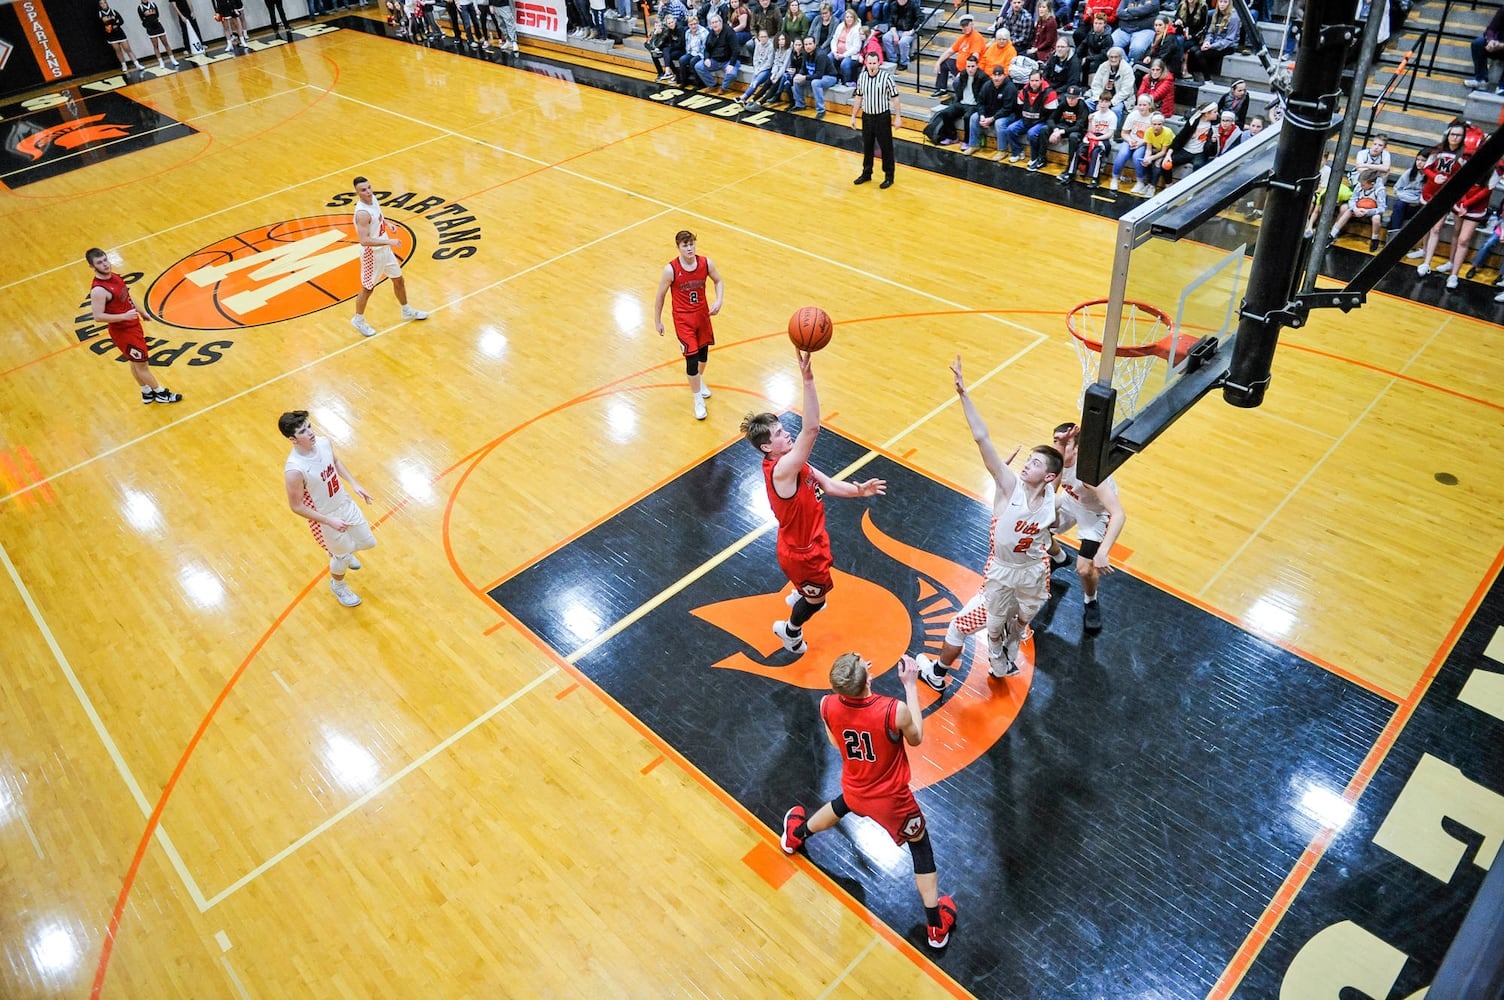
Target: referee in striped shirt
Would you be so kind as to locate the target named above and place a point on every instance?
(875, 96)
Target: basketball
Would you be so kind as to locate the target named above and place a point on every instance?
(1368, 204)
(810, 328)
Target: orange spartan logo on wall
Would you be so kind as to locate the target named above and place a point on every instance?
(868, 618)
(268, 274)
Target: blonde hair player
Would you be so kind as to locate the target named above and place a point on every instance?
(869, 732)
(1098, 517)
(1016, 580)
(110, 303)
(377, 260)
(691, 311)
(318, 488)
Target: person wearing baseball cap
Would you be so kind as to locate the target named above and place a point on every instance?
(971, 43)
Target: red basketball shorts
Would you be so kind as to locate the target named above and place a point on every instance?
(807, 569)
(694, 332)
(897, 812)
(129, 338)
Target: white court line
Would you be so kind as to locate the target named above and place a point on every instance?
(99, 727)
(234, 206)
(225, 961)
(36, 844)
(1319, 462)
(282, 682)
(848, 970)
(379, 789)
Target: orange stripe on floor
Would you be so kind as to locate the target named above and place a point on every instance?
(567, 692)
(494, 628)
(654, 763)
(770, 863)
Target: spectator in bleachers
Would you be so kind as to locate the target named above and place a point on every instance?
(762, 66)
(1488, 46)
(1191, 20)
(1135, 30)
(1193, 143)
(814, 73)
(718, 67)
(1157, 146)
(823, 27)
(1228, 133)
(1235, 100)
(999, 52)
(1068, 125)
(1099, 130)
(1437, 165)
(1133, 147)
(795, 23)
(1323, 181)
(1114, 82)
(971, 43)
(1367, 202)
(739, 20)
(1046, 31)
(779, 77)
(1495, 227)
(1036, 105)
(903, 28)
(597, 18)
(1374, 157)
(765, 17)
(846, 47)
(694, 51)
(1166, 46)
(1107, 8)
(1407, 191)
(1019, 21)
(657, 43)
(1222, 34)
(965, 98)
(1039, 133)
(1062, 69)
(1092, 46)
(998, 109)
(1159, 86)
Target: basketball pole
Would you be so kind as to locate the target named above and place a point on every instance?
(1310, 116)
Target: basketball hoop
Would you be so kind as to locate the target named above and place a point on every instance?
(1145, 335)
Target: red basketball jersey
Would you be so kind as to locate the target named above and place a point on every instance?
(689, 288)
(120, 301)
(874, 763)
(801, 519)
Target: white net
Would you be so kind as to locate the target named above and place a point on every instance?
(1141, 327)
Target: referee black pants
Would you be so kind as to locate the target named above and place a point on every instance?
(877, 130)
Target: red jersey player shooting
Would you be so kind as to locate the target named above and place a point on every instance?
(794, 492)
(869, 731)
(687, 274)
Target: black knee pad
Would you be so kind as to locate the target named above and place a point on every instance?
(691, 365)
(839, 806)
(924, 855)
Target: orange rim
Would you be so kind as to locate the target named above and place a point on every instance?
(1160, 348)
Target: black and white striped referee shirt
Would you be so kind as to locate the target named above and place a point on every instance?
(877, 92)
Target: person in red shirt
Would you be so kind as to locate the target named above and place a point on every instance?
(795, 492)
(111, 303)
(686, 274)
(869, 731)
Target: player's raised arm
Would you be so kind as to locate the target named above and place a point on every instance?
(842, 488)
(999, 470)
(910, 719)
(789, 465)
(663, 282)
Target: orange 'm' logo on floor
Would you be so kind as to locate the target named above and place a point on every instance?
(267, 275)
(70, 135)
(863, 616)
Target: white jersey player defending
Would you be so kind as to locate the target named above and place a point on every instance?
(318, 488)
(1017, 578)
(1098, 517)
(377, 260)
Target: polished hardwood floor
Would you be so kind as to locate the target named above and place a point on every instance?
(216, 781)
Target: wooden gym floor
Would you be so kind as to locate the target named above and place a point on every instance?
(216, 781)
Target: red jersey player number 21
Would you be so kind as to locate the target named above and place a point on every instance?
(690, 277)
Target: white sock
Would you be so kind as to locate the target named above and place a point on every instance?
(1092, 599)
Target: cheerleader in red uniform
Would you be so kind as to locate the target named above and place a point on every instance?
(1437, 166)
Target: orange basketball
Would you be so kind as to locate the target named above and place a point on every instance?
(1368, 204)
(810, 328)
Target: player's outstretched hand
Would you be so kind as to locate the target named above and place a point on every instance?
(363, 494)
(872, 488)
(908, 672)
(956, 370)
(804, 368)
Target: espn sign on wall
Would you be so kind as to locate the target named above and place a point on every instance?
(541, 18)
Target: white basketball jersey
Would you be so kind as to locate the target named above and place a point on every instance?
(377, 225)
(1079, 496)
(321, 486)
(1020, 536)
